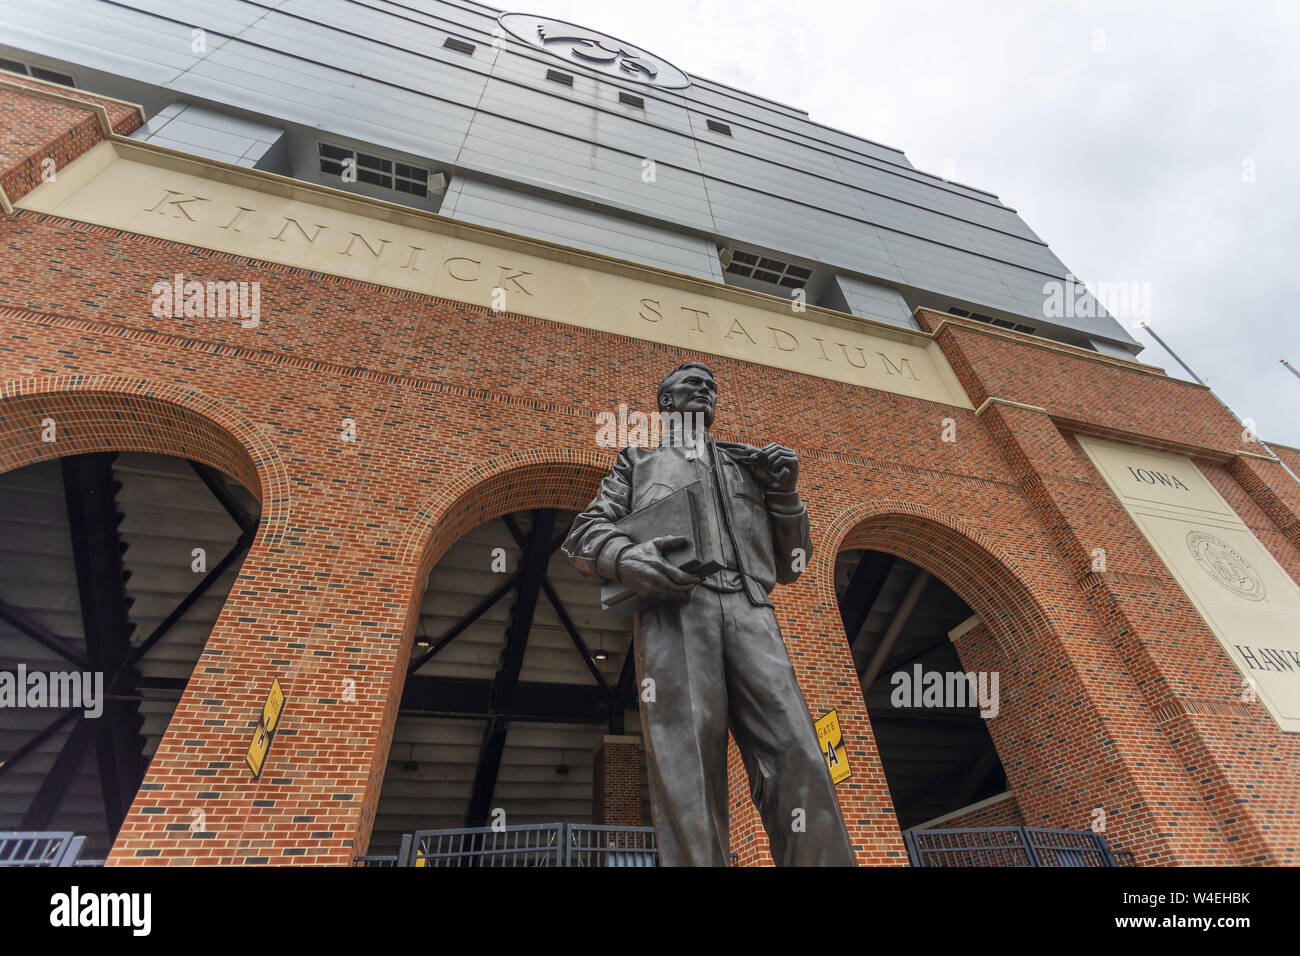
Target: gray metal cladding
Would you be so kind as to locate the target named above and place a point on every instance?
(594, 230)
(210, 133)
(871, 301)
(376, 71)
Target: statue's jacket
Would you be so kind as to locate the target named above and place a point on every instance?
(769, 529)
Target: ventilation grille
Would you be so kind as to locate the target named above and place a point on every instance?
(460, 46)
(1000, 323)
(765, 268)
(630, 100)
(717, 127)
(375, 170)
(557, 77)
(37, 72)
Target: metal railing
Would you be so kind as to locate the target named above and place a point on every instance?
(41, 849)
(536, 845)
(1008, 846)
(596, 845)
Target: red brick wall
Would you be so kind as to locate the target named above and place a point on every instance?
(616, 783)
(37, 128)
(1114, 693)
(1002, 813)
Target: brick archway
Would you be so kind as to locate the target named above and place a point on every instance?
(1016, 634)
(99, 413)
(553, 478)
(953, 551)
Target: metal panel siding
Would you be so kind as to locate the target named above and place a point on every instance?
(588, 229)
(575, 113)
(367, 111)
(873, 301)
(779, 224)
(459, 82)
(132, 42)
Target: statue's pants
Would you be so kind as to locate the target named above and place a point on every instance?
(718, 661)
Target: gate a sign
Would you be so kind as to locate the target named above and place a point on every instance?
(832, 744)
(266, 726)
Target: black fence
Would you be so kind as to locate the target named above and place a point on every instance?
(43, 849)
(537, 845)
(1010, 846)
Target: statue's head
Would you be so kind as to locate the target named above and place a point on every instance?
(689, 388)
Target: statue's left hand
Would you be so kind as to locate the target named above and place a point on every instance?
(777, 468)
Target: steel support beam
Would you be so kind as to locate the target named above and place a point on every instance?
(470, 697)
(863, 591)
(217, 485)
(91, 494)
(49, 797)
(536, 556)
(894, 629)
(9, 761)
(159, 632)
(463, 624)
(42, 635)
(560, 611)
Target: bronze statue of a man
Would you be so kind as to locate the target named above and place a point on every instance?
(711, 645)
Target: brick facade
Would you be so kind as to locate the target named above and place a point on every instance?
(1115, 693)
(616, 782)
(1001, 811)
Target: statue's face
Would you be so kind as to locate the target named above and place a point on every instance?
(693, 390)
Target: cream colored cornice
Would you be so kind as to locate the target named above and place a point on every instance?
(991, 400)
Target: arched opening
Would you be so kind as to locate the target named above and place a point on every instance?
(516, 676)
(113, 569)
(935, 749)
(128, 507)
(913, 586)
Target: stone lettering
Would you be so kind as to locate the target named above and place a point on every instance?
(698, 313)
(776, 339)
(892, 369)
(301, 231)
(369, 248)
(452, 272)
(178, 208)
(735, 324)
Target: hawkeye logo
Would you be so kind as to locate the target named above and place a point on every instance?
(593, 50)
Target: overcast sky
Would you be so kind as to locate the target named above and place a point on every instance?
(1143, 141)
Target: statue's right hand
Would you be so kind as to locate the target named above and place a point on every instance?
(644, 569)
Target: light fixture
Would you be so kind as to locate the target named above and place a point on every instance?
(600, 654)
(562, 770)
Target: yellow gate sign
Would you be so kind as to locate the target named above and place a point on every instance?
(266, 725)
(832, 744)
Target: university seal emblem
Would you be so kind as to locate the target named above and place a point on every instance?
(1221, 561)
